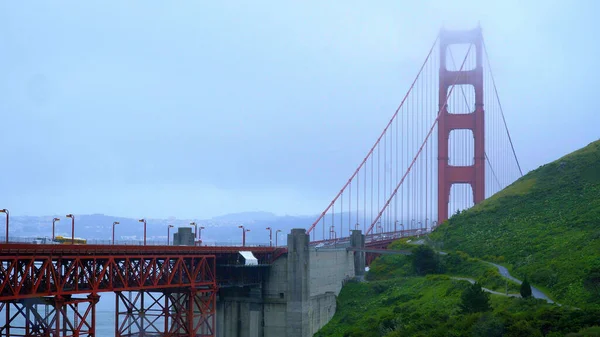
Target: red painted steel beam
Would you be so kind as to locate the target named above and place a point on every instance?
(37, 276)
(35, 249)
(472, 120)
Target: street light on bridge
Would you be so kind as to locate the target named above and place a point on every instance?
(54, 221)
(113, 231)
(195, 231)
(72, 228)
(244, 230)
(277, 236)
(5, 211)
(200, 235)
(169, 234)
(144, 221)
(270, 236)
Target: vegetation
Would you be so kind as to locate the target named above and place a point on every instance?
(425, 261)
(545, 226)
(431, 306)
(456, 264)
(474, 299)
(525, 289)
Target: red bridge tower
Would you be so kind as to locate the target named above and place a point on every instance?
(448, 175)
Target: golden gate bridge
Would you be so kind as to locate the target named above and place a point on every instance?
(446, 148)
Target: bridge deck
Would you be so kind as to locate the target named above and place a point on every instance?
(28, 249)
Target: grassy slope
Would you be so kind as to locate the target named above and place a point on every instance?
(429, 306)
(545, 226)
(455, 264)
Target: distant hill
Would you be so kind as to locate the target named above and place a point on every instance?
(247, 216)
(545, 226)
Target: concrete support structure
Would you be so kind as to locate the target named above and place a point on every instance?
(298, 293)
(183, 237)
(298, 278)
(357, 240)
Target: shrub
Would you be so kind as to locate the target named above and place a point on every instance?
(425, 260)
(474, 299)
(525, 289)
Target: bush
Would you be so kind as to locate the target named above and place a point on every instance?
(425, 260)
(525, 289)
(488, 326)
(474, 299)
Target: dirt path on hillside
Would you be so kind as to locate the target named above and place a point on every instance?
(535, 292)
(472, 281)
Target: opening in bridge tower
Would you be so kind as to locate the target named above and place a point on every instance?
(450, 82)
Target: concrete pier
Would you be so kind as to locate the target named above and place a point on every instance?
(297, 293)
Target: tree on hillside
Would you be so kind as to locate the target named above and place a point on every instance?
(525, 289)
(592, 281)
(474, 299)
(425, 260)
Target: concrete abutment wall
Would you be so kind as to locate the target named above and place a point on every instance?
(298, 294)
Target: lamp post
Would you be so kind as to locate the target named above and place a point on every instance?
(200, 234)
(195, 231)
(54, 221)
(244, 230)
(169, 234)
(113, 233)
(412, 223)
(144, 221)
(72, 228)
(379, 227)
(332, 232)
(270, 236)
(396, 226)
(5, 211)
(277, 236)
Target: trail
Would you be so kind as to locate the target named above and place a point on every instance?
(535, 292)
(472, 281)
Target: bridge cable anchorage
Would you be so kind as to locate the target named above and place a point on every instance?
(422, 145)
(467, 104)
(487, 58)
(310, 229)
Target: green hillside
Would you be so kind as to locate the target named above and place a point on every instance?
(400, 299)
(430, 307)
(545, 226)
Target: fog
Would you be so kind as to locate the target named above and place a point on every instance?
(195, 109)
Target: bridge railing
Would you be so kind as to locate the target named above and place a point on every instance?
(149, 242)
(416, 232)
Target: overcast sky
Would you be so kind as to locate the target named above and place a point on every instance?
(198, 108)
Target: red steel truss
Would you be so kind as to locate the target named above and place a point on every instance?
(53, 316)
(37, 276)
(38, 286)
(182, 312)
